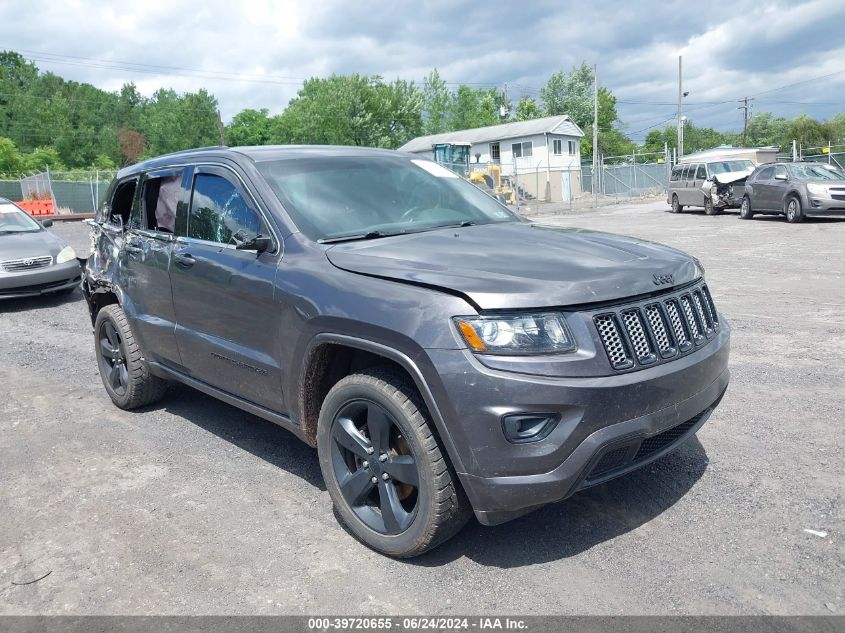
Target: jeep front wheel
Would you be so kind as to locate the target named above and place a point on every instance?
(384, 469)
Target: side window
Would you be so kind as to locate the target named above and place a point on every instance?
(159, 197)
(766, 174)
(120, 207)
(686, 173)
(701, 174)
(780, 170)
(676, 172)
(219, 213)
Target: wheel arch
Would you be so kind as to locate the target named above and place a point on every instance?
(329, 357)
(99, 296)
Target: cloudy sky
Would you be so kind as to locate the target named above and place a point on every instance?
(789, 55)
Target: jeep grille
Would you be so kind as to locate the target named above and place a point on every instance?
(657, 330)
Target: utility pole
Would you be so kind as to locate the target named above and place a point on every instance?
(680, 108)
(745, 107)
(595, 127)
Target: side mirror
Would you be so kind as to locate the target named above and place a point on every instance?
(259, 243)
(783, 177)
(47, 223)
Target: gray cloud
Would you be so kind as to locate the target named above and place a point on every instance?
(255, 54)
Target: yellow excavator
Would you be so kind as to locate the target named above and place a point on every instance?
(455, 156)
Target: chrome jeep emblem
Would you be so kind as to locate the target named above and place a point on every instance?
(662, 280)
(28, 262)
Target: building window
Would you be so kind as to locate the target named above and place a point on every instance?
(557, 147)
(572, 148)
(494, 152)
(522, 150)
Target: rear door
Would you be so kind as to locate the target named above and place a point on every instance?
(675, 182)
(147, 249)
(227, 323)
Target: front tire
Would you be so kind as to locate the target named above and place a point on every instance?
(709, 209)
(745, 211)
(676, 206)
(792, 209)
(125, 375)
(385, 471)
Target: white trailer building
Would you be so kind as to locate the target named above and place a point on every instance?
(544, 152)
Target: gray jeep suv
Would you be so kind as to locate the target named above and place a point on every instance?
(443, 355)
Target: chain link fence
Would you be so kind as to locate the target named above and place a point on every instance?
(625, 177)
(70, 191)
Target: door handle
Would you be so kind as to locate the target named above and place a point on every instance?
(185, 260)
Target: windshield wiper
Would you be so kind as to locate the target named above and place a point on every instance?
(371, 235)
(454, 224)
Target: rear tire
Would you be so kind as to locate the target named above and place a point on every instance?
(745, 211)
(373, 425)
(676, 206)
(709, 209)
(792, 209)
(125, 374)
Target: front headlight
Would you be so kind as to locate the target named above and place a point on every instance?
(819, 190)
(541, 333)
(65, 255)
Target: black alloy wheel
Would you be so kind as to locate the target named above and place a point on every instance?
(390, 480)
(374, 467)
(113, 358)
(126, 375)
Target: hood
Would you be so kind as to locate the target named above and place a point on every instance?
(731, 176)
(17, 245)
(520, 265)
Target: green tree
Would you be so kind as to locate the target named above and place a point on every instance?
(42, 158)
(526, 109)
(250, 127)
(353, 110)
(571, 94)
(473, 107)
(171, 122)
(11, 161)
(764, 129)
(436, 97)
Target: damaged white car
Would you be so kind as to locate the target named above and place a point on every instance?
(714, 185)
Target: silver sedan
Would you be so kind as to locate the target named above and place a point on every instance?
(33, 261)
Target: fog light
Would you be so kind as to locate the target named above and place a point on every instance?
(528, 427)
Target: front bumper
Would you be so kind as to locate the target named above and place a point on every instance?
(42, 281)
(603, 422)
(818, 205)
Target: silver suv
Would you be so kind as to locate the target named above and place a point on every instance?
(714, 185)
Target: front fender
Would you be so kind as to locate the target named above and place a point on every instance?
(408, 359)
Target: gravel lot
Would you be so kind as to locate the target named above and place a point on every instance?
(193, 507)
